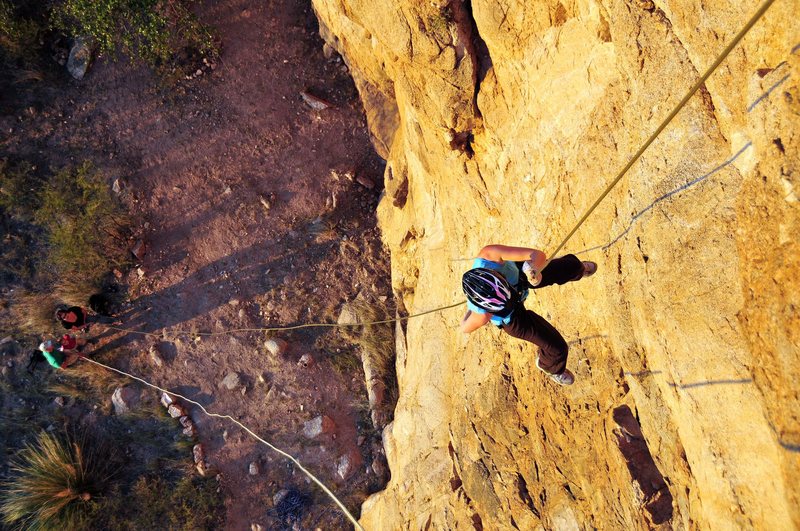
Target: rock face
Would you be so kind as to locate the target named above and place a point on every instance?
(502, 121)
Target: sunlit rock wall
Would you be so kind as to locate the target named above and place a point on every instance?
(502, 122)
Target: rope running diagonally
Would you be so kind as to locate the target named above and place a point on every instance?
(245, 428)
(758, 14)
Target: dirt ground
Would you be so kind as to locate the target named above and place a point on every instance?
(257, 212)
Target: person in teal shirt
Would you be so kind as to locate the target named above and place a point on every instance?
(55, 356)
(496, 287)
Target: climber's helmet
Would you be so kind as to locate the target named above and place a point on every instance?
(488, 290)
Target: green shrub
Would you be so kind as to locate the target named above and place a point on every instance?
(85, 227)
(191, 503)
(19, 189)
(154, 31)
(53, 483)
(18, 35)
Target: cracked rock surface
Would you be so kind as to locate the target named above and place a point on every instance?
(502, 122)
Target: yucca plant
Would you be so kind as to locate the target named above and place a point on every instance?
(53, 483)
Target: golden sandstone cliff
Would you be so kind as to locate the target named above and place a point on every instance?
(501, 122)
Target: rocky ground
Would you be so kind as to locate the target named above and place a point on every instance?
(253, 186)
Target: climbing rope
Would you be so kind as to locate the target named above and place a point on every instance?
(285, 328)
(758, 14)
(245, 428)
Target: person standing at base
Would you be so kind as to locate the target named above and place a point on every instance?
(56, 356)
(497, 286)
(76, 318)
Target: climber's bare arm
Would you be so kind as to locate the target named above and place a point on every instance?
(501, 253)
(472, 321)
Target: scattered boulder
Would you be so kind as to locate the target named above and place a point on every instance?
(276, 346)
(59, 401)
(116, 187)
(253, 469)
(347, 315)
(318, 104)
(155, 357)
(344, 466)
(198, 453)
(319, 425)
(176, 411)
(167, 400)
(279, 496)
(380, 468)
(256, 527)
(9, 347)
(231, 381)
(80, 57)
(365, 181)
(306, 361)
(124, 399)
(139, 249)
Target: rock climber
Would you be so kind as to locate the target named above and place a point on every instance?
(496, 288)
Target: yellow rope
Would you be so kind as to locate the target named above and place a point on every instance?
(758, 14)
(245, 428)
(285, 328)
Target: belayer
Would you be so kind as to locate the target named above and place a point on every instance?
(78, 319)
(496, 288)
(62, 353)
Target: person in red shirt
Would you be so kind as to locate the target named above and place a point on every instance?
(78, 319)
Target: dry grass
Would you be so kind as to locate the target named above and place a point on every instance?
(75, 290)
(86, 381)
(33, 312)
(375, 341)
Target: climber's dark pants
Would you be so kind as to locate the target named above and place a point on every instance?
(529, 326)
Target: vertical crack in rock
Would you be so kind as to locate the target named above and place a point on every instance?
(525, 496)
(657, 499)
(480, 56)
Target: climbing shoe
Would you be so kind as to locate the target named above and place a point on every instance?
(589, 268)
(564, 378)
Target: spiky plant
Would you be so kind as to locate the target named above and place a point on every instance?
(53, 482)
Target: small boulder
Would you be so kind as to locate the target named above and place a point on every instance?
(9, 347)
(176, 410)
(198, 453)
(318, 104)
(231, 381)
(380, 468)
(139, 249)
(319, 425)
(124, 399)
(347, 315)
(365, 181)
(344, 466)
(59, 401)
(306, 361)
(155, 357)
(80, 57)
(253, 469)
(276, 346)
(167, 400)
(256, 527)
